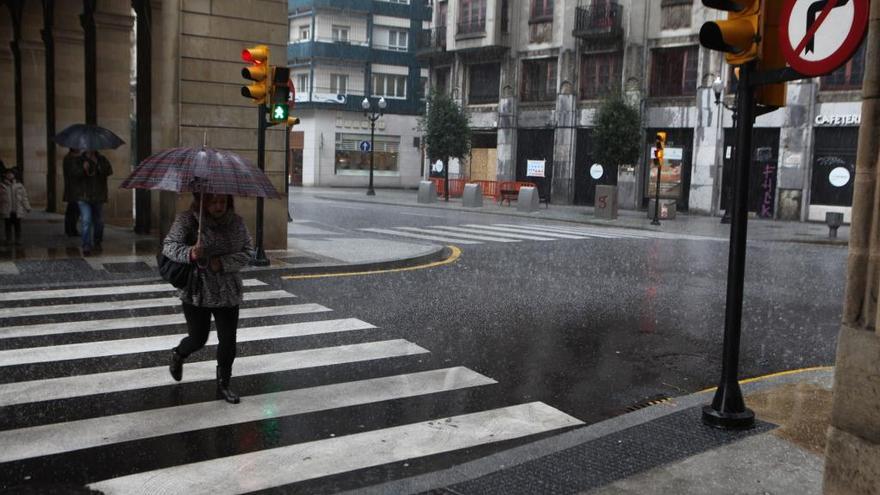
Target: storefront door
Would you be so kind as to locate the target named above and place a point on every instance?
(535, 144)
(762, 170)
(834, 168)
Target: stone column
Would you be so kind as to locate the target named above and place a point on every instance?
(852, 464)
(506, 146)
(562, 190)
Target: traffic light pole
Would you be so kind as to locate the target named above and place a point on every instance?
(260, 258)
(728, 409)
(656, 220)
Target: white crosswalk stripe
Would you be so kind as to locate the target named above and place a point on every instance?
(44, 375)
(299, 462)
(505, 232)
(123, 305)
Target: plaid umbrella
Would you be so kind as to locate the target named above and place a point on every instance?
(205, 170)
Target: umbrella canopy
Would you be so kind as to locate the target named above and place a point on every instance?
(205, 170)
(86, 137)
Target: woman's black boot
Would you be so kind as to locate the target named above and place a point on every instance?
(176, 366)
(223, 392)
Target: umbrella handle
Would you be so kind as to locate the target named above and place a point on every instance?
(201, 217)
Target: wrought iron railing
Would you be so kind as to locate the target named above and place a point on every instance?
(472, 26)
(598, 17)
(430, 40)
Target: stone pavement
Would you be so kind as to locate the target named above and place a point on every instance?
(693, 224)
(664, 449)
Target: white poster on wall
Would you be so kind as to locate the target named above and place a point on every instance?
(535, 168)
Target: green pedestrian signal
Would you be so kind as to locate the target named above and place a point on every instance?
(279, 112)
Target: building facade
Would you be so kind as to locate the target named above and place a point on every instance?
(341, 52)
(158, 73)
(533, 73)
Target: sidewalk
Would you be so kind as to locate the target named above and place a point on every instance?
(664, 449)
(701, 225)
(48, 258)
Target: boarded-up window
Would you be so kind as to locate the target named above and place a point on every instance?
(675, 14)
(674, 71)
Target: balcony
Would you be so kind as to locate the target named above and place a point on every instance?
(346, 5)
(598, 20)
(431, 42)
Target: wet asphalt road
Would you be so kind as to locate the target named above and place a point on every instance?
(590, 327)
(595, 326)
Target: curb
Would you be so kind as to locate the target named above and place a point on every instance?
(438, 254)
(571, 438)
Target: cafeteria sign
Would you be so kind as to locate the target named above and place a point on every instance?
(535, 168)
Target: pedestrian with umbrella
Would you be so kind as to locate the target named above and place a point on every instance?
(212, 237)
(88, 178)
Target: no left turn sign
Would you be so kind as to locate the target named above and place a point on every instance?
(818, 36)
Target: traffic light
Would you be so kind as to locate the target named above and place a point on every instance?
(738, 36)
(771, 57)
(659, 146)
(280, 100)
(258, 72)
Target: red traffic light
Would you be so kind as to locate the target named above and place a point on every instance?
(256, 55)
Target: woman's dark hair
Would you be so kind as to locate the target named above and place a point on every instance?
(230, 201)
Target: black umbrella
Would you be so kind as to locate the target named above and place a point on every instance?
(86, 137)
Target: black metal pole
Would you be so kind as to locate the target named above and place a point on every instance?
(49, 60)
(656, 220)
(260, 258)
(446, 180)
(373, 118)
(143, 109)
(15, 10)
(728, 409)
(90, 45)
(287, 131)
(729, 203)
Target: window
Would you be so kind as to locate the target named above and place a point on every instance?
(338, 83)
(849, 76)
(675, 14)
(423, 84)
(472, 17)
(600, 74)
(483, 83)
(505, 16)
(542, 10)
(340, 34)
(305, 33)
(350, 160)
(398, 40)
(302, 84)
(389, 86)
(674, 71)
(441, 80)
(539, 80)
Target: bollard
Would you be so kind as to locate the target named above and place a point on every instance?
(834, 221)
(606, 202)
(427, 192)
(472, 196)
(528, 199)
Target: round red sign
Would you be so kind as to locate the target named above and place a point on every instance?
(817, 37)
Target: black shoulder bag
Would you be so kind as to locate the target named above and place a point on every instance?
(176, 273)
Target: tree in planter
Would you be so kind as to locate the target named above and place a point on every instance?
(447, 132)
(616, 132)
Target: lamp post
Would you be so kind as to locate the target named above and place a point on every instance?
(718, 88)
(373, 116)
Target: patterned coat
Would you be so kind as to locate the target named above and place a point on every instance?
(226, 238)
(13, 198)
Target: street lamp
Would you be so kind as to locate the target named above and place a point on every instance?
(718, 88)
(373, 116)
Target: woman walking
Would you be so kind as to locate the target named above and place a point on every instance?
(220, 249)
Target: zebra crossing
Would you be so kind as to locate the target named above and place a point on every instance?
(510, 233)
(86, 398)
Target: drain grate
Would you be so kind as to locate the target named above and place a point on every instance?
(652, 401)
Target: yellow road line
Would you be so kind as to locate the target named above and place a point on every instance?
(456, 253)
(774, 375)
